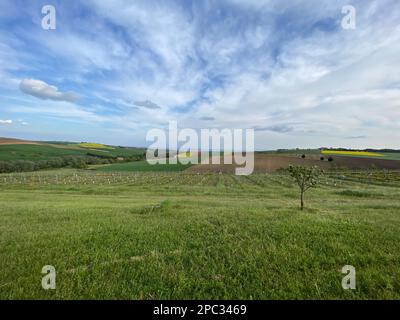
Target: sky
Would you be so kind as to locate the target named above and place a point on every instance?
(113, 70)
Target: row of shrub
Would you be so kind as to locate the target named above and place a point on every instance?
(330, 159)
(78, 162)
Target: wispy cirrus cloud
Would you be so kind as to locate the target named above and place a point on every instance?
(277, 128)
(286, 68)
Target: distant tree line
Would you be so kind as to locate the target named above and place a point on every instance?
(78, 162)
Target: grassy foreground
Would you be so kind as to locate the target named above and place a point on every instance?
(179, 235)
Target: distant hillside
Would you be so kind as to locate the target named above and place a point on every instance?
(17, 149)
(15, 141)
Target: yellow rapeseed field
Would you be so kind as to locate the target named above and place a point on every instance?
(352, 153)
(185, 155)
(93, 145)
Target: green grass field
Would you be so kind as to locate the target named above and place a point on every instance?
(178, 235)
(116, 151)
(291, 152)
(34, 152)
(140, 166)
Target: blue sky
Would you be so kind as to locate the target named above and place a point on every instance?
(112, 70)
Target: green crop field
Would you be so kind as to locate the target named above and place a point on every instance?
(391, 156)
(35, 152)
(140, 166)
(292, 152)
(114, 151)
(186, 236)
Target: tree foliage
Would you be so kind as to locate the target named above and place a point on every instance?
(78, 162)
(305, 178)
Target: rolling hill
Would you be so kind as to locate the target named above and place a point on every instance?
(17, 149)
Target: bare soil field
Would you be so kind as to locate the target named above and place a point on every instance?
(11, 141)
(5, 141)
(271, 163)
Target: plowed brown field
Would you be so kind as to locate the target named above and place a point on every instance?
(270, 163)
(4, 141)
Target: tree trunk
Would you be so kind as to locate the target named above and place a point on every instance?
(302, 199)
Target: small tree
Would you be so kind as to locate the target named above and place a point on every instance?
(306, 178)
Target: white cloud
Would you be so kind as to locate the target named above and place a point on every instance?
(42, 90)
(331, 85)
(233, 63)
(22, 122)
(5, 121)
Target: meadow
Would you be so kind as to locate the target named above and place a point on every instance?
(139, 166)
(179, 235)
